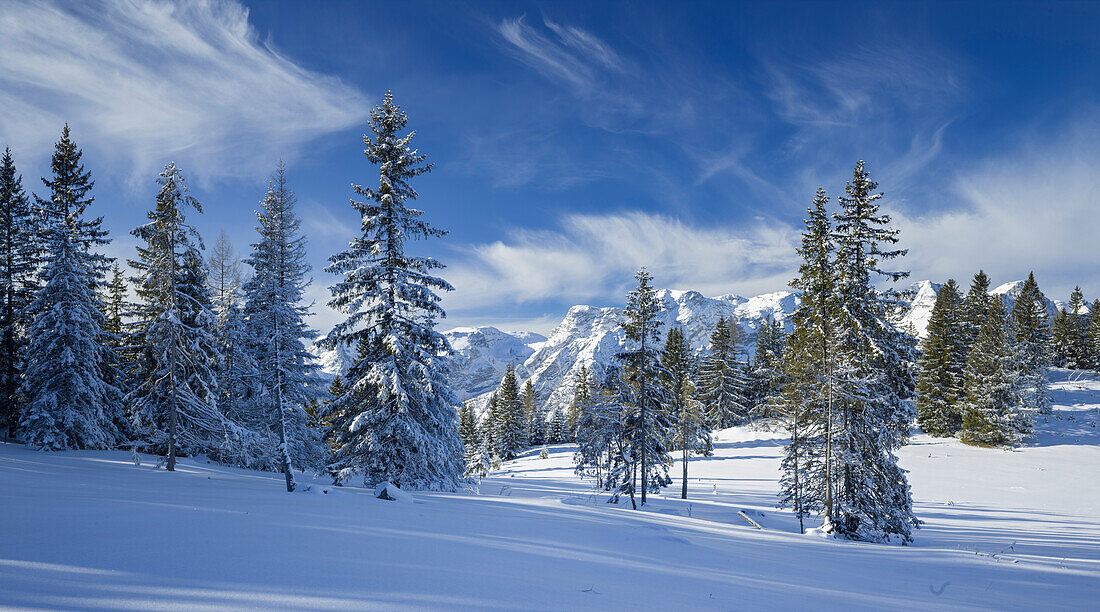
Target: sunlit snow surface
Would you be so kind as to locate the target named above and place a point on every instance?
(1003, 529)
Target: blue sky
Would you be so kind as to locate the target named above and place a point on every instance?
(574, 142)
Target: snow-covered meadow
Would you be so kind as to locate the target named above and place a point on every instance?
(1015, 529)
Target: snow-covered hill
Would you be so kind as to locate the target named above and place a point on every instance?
(1004, 530)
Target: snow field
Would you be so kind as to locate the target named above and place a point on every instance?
(1016, 530)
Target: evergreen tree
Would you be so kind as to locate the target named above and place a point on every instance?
(558, 428)
(873, 360)
(533, 415)
(1070, 334)
(647, 427)
(403, 425)
(692, 428)
(490, 425)
(18, 284)
(599, 435)
(723, 383)
(174, 398)
(70, 405)
(479, 464)
(510, 422)
(976, 307)
(991, 415)
(1032, 326)
(69, 188)
(767, 371)
(809, 392)
(467, 428)
(277, 329)
(116, 337)
(70, 195)
(115, 307)
(582, 394)
(940, 381)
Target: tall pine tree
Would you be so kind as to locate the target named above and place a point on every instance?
(809, 392)
(277, 330)
(723, 383)
(1070, 334)
(1032, 327)
(943, 358)
(174, 397)
(874, 358)
(400, 424)
(18, 283)
(510, 423)
(692, 433)
(647, 427)
(990, 410)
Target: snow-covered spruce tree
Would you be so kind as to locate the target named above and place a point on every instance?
(403, 425)
(809, 390)
(991, 408)
(647, 428)
(723, 383)
(69, 404)
(601, 445)
(561, 427)
(582, 394)
(487, 428)
(70, 195)
(1070, 334)
(767, 369)
(18, 284)
(478, 463)
(692, 433)
(277, 331)
(590, 434)
(1032, 326)
(873, 366)
(174, 397)
(533, 415)
(940, 375)
(467, 429)
(976, 307)
(509, 417)
(115, 307)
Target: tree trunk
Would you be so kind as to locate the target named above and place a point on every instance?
(684, 490)
(645, 427)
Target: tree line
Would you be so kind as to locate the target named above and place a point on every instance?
(188, 355)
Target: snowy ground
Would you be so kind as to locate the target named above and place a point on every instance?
(1004, 529)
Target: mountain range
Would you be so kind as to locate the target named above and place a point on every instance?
(591, 336)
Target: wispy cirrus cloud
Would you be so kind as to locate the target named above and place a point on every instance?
(150, 81)
(1032, 207)
(593, 257)
(565, 53)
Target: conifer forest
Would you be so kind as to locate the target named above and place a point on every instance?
(324, 345)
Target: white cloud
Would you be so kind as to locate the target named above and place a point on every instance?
(151, 81)
(593, 257)
(1033, 208)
